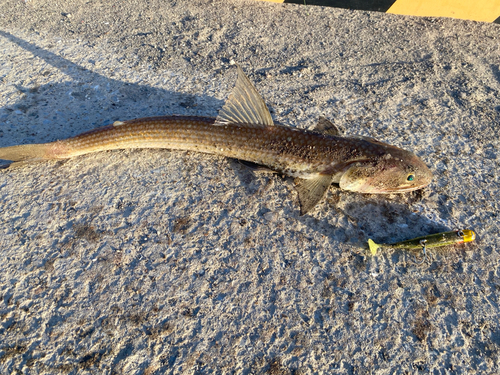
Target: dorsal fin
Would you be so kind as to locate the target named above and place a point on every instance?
(325, 126)
(244, 105)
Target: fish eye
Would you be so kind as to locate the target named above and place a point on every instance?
(410, 177)
(460, 233)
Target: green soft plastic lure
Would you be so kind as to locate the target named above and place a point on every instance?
(434, 240)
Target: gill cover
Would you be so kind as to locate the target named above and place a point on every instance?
(359, 178)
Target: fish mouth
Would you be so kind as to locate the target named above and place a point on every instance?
(399, 189)
(385, 190)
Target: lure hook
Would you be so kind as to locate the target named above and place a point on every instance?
(424, 252)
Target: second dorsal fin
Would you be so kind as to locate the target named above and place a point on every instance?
(325, 126)
(244, 105)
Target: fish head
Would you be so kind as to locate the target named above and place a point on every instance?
(393, 171)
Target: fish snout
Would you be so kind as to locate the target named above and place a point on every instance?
(387, 176)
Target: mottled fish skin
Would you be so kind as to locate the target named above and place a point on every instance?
(293, 152)
(244, 130)
(284, 149)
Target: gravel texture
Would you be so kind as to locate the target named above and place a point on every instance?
(163, 262)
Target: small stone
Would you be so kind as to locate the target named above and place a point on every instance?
(270, 216)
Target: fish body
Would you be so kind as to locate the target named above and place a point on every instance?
(245, 130)
(434, 240)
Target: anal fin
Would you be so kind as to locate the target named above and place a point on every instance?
(257, 168)
(311, 191)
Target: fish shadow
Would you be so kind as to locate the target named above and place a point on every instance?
(51, 111)
(383, 219)
(386, 221)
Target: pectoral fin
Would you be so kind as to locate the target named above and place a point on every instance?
(311, 191)
(356, 178)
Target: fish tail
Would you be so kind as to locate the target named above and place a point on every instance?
(25, 154)
(373, 246)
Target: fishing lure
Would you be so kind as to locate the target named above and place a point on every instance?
(434, 240)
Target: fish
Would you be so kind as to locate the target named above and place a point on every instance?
(453, 237)
(245, 130)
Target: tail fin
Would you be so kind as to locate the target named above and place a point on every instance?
(24, 154)
(373, 247)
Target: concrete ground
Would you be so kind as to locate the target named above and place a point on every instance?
(167, 262)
